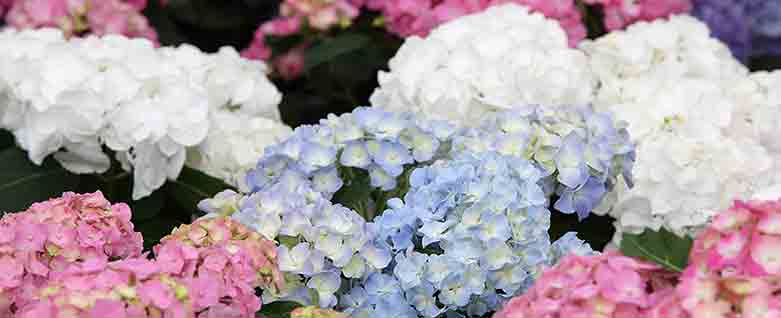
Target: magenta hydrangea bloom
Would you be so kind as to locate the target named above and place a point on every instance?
(609, 285)
(222, 262)
(620, 13)
(58, 236)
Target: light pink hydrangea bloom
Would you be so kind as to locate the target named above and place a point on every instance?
(222, 262)
(621, 13)
(609, 285)
(418, 17)
(734, 267)
(77, 17)
(58, 236)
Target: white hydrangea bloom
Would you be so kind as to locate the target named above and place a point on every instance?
(234, 145)
(504, 57)
(683, 97)
(69, 98)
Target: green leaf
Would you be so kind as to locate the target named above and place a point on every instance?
(280, 309)
(148, 207)
(331, 48)
(356, 193)
(6, 139)
(662, 247)
(23, 183)
(192, 186)
(155, 229)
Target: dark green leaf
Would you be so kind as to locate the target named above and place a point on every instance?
(148, 207)
(23, 183)
(192, 186)
(596, 230)
(280, 309)
(662, 247)
(356, 193)
(155, 229)
(330, 48)
(6, 139)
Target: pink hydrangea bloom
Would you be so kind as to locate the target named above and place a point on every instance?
(291, 64)
(621, 13)
(77, 17)
(609, 285)
(222, 262)
(133, 287)
(744, 240)
(319, 14)
(734, 267)
(58, 236)
(418, 17)
(120, 17)
(257, 50)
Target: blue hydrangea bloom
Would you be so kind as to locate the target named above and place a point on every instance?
(469, 234)
(581, 152)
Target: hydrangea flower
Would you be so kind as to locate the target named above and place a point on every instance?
(70, 98)
(733, 266)
(98, 17)
(134, 287)
(368, 139)
(320, 241)
(417, 18)
(583, 153)
(59, 235)
(689, 107)
(222, 262)
(619, 13)
(470, 233)
(607, 285)
(749, 27)
(502, 58)
(314, 312)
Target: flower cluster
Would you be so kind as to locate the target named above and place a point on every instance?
(72, 97)
(368, 139)
(676, 88)
(620, 13)
(134, 287)
(474, 214)
(502, 58)
(583, 153)
(408, 18)
(78, 255)
(470, 233)
(221, 262)
(56, 236)
(79, 17)
(749, 27)
(321, 241)
(609, 285)
(733, 267)
(294, 16)
(314, 312)
(733, 271)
